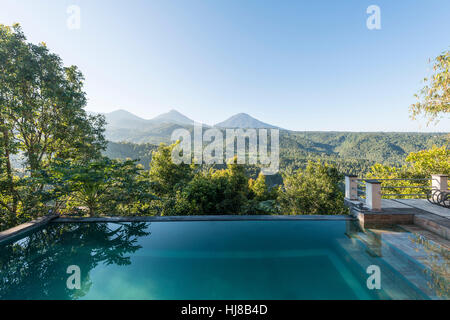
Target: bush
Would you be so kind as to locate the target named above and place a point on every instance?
(314, 190)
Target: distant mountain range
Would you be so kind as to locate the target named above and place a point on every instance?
(125, 126)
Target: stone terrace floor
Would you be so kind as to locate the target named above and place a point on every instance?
(425, 205)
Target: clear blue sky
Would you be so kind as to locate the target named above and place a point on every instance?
(303, 65)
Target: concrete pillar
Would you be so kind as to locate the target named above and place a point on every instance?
(351, 185)
(439, 182)
(373, 195)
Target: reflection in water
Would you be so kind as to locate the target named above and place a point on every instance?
(424, 263)
(37, 264)
(438, 263)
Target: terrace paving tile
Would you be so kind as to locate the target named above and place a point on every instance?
(425, 205)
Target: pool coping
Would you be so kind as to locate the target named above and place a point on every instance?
(26, 227)
(202, 218)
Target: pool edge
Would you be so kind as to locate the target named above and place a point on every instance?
(24, 228)
(205, 218)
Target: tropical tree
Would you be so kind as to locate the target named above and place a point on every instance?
(232, 185)
(43, 103)
(259, 190)
(167, 176)
(262, 199)
(434, 97)
(42, 117)
(315, 190)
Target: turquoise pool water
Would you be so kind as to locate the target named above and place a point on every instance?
(210, 260)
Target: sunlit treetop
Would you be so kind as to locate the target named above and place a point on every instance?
(434, 97)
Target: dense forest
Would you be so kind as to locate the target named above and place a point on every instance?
(350, 152)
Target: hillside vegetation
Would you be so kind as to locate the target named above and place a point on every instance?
(351, 152)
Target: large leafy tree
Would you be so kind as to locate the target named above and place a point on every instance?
(42, 117)
(262, 198)
(259, 189)
(213, 191)
(315, 190)
(434, 98)
(167, 176)
(43, 103)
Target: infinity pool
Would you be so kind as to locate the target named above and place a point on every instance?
(218, 260)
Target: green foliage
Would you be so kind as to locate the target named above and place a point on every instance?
(212, 192)
(42, 118)
(419, 165)
(262, 198)
(315, 190)
(126, 150)
(185, 190)
(350, 152)
(433, 161)
(25, 203)
(43, 103)
(434, 98)
(167, 176)
(259, 189)
(102, 186)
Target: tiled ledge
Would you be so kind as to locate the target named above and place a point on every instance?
(25, 227)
